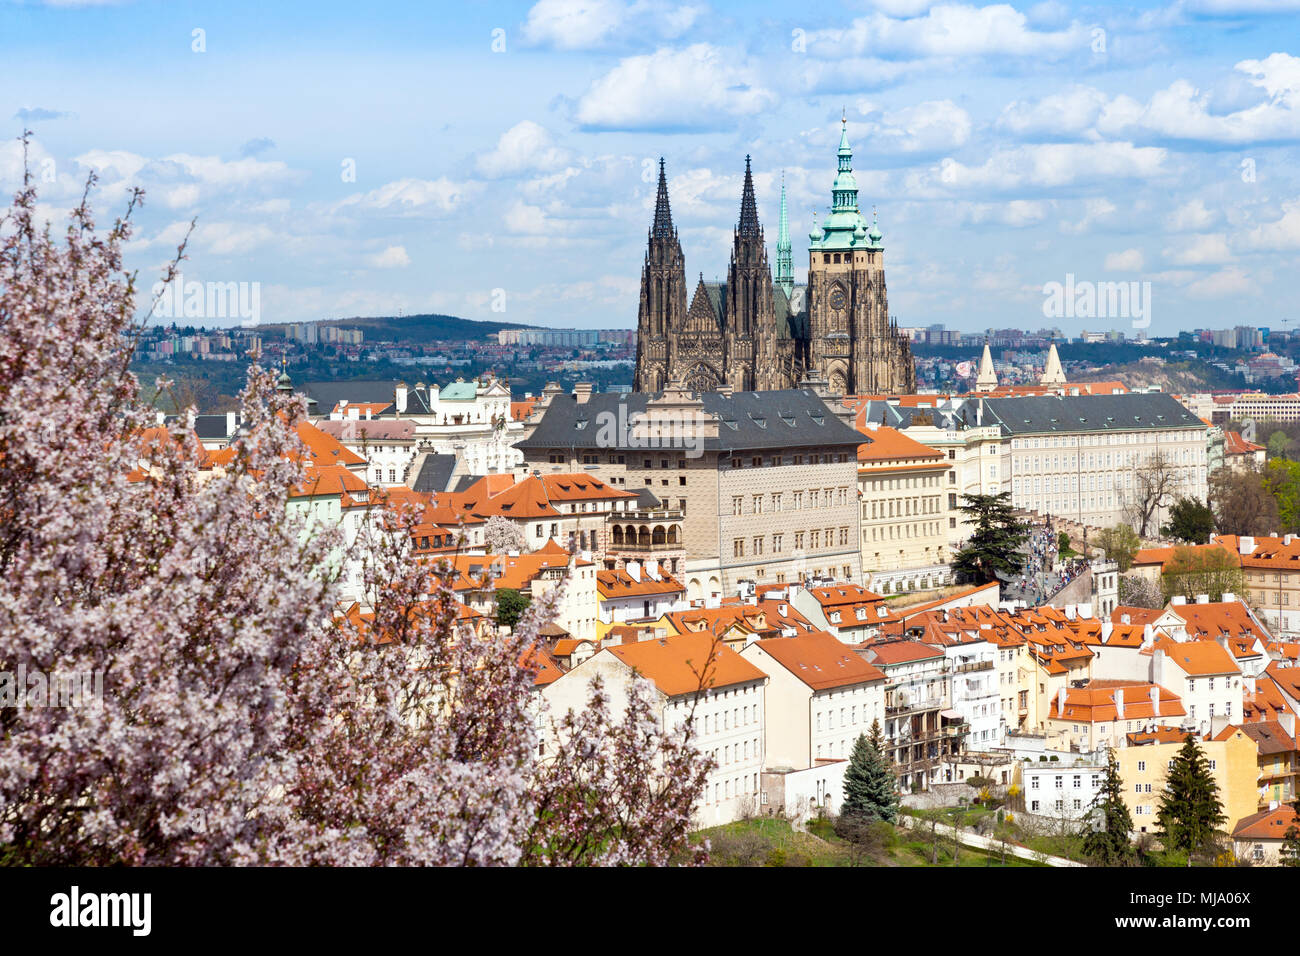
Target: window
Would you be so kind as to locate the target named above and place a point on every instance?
(758, 544)
(737, 505)
(758, 504)
(738, 548)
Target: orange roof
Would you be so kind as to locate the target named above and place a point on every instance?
(1265, 825)
(620, 584)
(1162, 556)
(821, 661)
(886, 653)
(1136, 615)
(889, 444)
(328, 480)
(686, 662)
(325, 449)
(1160, 735)
(1266, 703)
(1209, 621)
(522, 409)
(1287, 678)
(539, 658)
(1269, 736)
(1096, 702)
(1234, 444)
(1197, 658)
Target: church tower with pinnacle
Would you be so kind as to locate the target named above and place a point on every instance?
(760, 331)
(663, 297)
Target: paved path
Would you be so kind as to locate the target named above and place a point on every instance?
(985, 843)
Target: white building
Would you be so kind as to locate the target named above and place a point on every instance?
(727, 713)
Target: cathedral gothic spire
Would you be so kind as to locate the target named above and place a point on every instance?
(662, 228)
(784, 259)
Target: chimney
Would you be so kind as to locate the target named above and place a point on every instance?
(1155, 701)
(652, 569)
(1106, 629)
(582, 392)
(633, 569)
(230, 424)
(1287, 539)
(1071, 612)
(1287, 720)
(1178, 600)
(1060, 703)
(354, 414)
(1125, 619)
(1246, 544)
(1148, 635)
(1202, 599)
(1119, 703)
(399, 398)
(1229, 597)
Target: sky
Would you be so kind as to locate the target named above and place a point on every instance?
(497, 161)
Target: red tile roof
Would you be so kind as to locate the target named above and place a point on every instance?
(821, 661)
(686, 662)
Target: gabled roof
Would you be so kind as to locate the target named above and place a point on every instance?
(1270, 736)
(888, 653)
(328, 480)
(821, 661)
(620, 584)
(1229, 619)
(325, 449)
(1196, 658)
(889, 444)
(1265, 825)
(686, 662)
(1096, 702)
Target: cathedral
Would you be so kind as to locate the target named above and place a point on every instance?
(755, 331)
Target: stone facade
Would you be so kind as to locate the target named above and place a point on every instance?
(753, 334)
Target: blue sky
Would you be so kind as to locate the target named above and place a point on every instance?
(1003, 145)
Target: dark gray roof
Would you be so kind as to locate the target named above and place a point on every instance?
(329, 394)
(213, 426)
(434, 474)
(775, 419)
(1034, 415)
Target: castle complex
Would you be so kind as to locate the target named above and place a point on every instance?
(757, 332)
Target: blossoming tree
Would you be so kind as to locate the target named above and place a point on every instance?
(246, 718)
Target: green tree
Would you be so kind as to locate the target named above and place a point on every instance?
(1189, 520)
(1279, 443)
(510, 606)
(1121, 545)
(1282, 478)
(1202, 570)
(870, 785)
(1190, 811)
(1289, 855)
(1106, 837)
(994, 545)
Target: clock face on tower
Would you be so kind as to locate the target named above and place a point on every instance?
(837, 299)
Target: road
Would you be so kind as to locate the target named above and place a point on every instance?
(984, 843)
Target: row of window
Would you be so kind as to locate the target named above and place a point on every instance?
(778, 542)
(816, 497)
(775, 461)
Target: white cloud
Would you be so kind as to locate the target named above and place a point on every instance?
(1179, 112)
(1130, 260)
(233, 238)
(1208, 249)
(1191, 216)
(592, 24)
(1226, 282)
(693, 88)
(1281, 235)
(411, 197)
(394, 257)
(950, 30)
(1234, 8)
(523, 147)
(1094, 211)
(932, 126)
(1044, 166)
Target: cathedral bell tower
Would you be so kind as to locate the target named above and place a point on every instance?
(750, 319)
(662, 309)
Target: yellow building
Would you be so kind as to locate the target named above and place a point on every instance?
(903, 496)
(1233, 764)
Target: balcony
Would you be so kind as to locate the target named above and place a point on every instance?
(972, 667)
(898, 710)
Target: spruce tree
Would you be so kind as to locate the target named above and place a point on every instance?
(1289, 855)
(870, 786)
(1106, 841)
(994, 544)
(1190, 811)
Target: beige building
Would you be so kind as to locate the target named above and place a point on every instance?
(765, 482)
(1232, 764)
(821, 697)
(696, 679)
(903, 494)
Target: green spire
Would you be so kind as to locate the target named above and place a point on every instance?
(846, 229)
(784, 259)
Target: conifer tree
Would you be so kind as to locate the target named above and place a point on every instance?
(1289, 855)
(870, 786)
(994, 544)
(1106, 841)
(1190, 810)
